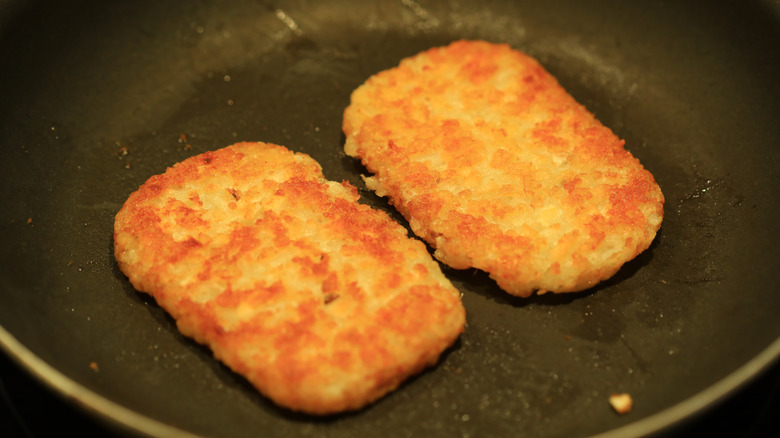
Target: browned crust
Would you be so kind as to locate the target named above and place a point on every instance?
(495, 165)
(322, 303)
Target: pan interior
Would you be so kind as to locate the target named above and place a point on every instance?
(113, 93)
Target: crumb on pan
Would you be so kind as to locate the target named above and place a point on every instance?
(621, 403)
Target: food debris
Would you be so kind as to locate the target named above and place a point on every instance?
(621, 403)
(122, 153)
(183, 140)
(94, 366)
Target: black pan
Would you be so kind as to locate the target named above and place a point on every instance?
(95, 97)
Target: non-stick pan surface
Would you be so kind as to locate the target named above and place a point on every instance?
(96, 97)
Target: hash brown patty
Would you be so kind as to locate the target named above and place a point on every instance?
(322, 303)
(496, 166)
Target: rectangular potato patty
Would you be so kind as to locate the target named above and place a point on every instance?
(322, 303)
(499, 168)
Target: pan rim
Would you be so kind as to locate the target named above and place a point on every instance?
(88, 400)
(121, 416)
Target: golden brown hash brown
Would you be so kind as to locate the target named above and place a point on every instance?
(322, 303)
(499, 168)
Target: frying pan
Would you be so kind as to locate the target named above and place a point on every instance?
(95, 97)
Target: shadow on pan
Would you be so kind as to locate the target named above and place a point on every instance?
(98, 97)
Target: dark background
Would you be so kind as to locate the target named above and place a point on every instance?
(29, 409)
